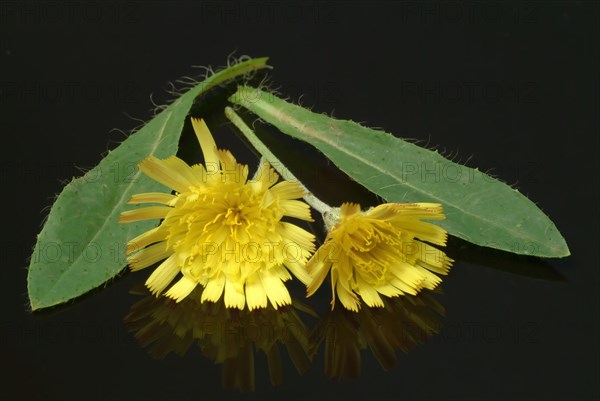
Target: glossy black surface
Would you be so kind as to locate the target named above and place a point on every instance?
(510, 87)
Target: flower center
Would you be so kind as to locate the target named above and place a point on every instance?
(225, 225)
(371, 245)
(234, 216)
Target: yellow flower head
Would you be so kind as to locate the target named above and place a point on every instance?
(221, 230)
(380, 252)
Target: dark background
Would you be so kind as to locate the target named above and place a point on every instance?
(511, 87)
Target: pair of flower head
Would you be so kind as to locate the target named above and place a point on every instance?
(233, 236)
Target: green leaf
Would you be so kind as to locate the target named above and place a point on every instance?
(81, 245)
(480, 209)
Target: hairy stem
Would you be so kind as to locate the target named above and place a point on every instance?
(311, 199)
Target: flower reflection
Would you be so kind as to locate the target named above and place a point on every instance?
(230, 336)
(227, 336)
(402, 324)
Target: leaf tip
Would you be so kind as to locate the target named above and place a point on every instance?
(558, 249)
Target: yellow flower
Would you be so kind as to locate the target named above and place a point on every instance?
(221, 230)
(380, 251)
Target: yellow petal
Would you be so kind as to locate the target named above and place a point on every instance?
(148, 256)
(207, 143)
(183, 169)
(214, 288)
(288, 190)
(334, 281)
(407, 273)
(348, 209)
(318, 268)
(405, 287)
(200, 173)
(145, 239)
(227, 160)
(275, 289)
(299, 271)
(433, 259)
(297, 209)
(169, 172)
(383, 212)
(280, 272)
(369, 294)
(341, 274)
(265, 177)
(181, 289)
(427, 211)
(256, 296)
(152, 197)
(234, 295)
(231, 171)
(422, 230)
(389, 290)
(347, 297)
(238, 174)
(297, 235)
(144, 213)
(431, 280)
(163, 275)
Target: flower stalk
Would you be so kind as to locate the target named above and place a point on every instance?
(326, 210)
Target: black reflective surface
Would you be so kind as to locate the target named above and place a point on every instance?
(509, 87)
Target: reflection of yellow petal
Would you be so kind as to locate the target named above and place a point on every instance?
(229, 339)
(402, 324)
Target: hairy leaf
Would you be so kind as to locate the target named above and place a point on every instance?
(81, 245)
(480, 209)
